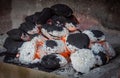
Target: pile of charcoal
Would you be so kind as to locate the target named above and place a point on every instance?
(51, 39)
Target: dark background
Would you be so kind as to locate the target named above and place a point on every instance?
(12, 12)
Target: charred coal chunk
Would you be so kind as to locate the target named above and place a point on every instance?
(51, 43)
(26, 26)
(6, 53)
(58, 20)
(30, 18)
(101, 57)
(40, 17)
(62, 10)
(50, 62)
(44, 16)
(12, 45)
(12, 49)
(51, 28)
(33, 18)
(72, 19)
(97, 33)
(19, 35)
(42, 68)
(30, 31)
(78, 40)
(37, 16)
(9, 59)
(15, 34)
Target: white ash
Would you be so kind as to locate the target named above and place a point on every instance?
(99, 60)
(40, 38)
(57, 49)
(55, 34)
(44, 32)
(100, 54)
(64, 32)
(96, 48)
(27, 51)
(71, 48)
(83, 60)
(92, 36)
(105, 48)
(70, 26)
(63, 61)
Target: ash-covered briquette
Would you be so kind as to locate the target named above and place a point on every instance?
(29, 29)
(61, 21)
(53, 61)
(62, 10)
(27, 52)
(97, 47)
(15, 34)
(100, 53)
(68, 22)
(53, 46)
(50, 61)
(97, 33)
(51, 28)
(54, 32)
(83, 60)
(51, 43)
(101, 58)
(78, 40)
(58, 20)
(71, 27)
(19, 35)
